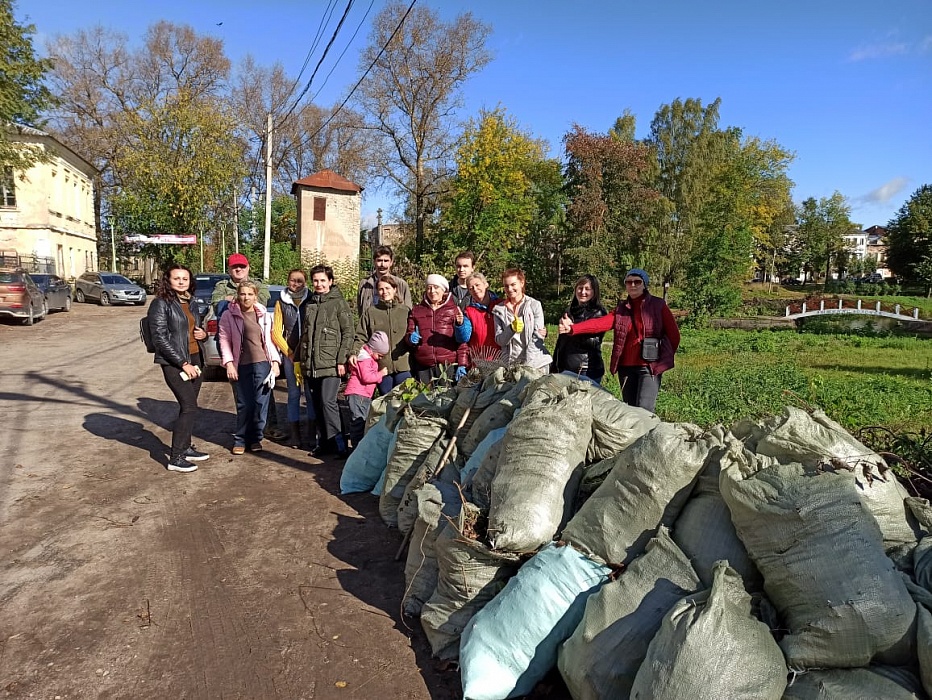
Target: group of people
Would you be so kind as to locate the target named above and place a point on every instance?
(457, 324)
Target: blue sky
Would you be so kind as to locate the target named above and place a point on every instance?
(846, 85)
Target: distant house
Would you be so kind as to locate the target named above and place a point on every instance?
(47, 212)
(329, 218)
(869, 242)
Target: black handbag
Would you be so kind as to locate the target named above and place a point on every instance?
(650, 349)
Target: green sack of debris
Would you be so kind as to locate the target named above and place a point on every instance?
(920, 557)
(542, 448)
(414, 438)
(602, 657)
(815, 439)
(430, 470)
(616, 425)
(711, 646)
(846, 684)
(437, 504)
(479, 486)
(821, 554)
(502, 384)
(494, 417)
(704, 530)
(469, 576)
(647, 487)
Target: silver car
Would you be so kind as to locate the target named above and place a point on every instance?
(108, 288)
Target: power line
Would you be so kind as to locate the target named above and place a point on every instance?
(324, 21)
(340, 57)
(359, 82)
(310, 80)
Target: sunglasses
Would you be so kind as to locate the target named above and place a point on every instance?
(634, 283)
(238, 267)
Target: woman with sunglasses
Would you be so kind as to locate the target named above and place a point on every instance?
(646, 339)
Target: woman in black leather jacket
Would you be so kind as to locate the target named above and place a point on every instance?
(175, 325)
(582, 354)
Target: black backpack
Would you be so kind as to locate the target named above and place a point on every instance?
(145, 334)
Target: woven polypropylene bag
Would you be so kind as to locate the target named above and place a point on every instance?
(704, 530)
(469, 576)
(544, 444)
(711, 647)
(616, 425)
(364, 467)
(845, 684)
(414, 438)
(602, 657)
(815, 439)
(821, 555)
(511, 644)
(437, 503)
(648, 486)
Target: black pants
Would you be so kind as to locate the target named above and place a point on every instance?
(440, 375)
(639, 387)
(186, 395)
(324, 392)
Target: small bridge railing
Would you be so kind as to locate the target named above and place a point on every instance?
(826, 309)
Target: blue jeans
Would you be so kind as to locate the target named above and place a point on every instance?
(390, 381)
(294, 393)
(252, 403)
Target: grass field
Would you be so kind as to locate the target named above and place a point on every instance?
(725, 375)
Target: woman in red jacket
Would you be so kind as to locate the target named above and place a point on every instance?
(432, 324)
(646, 339)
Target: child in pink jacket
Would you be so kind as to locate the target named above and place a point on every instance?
(364, 377)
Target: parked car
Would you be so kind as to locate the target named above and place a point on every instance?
(20, 297)
(57, 291)
(791, 282)
(205, 283)
(212, 367)
(108, 288)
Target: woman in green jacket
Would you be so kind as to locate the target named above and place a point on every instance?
(389, 315)
(326, 343)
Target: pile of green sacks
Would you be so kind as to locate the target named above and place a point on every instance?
(779, 558)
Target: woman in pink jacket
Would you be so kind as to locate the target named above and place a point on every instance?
(365, 375)
(252, 363)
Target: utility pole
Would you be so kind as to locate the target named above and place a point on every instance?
(235, 225)
(113, 246)
(268, 200)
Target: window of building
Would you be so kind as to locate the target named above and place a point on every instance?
(320, 208)
(7, 188)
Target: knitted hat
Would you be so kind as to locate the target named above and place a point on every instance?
(378, 343)
(439, 281)
(638, 272)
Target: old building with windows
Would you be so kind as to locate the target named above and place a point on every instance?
(329, 218)
(47, 212)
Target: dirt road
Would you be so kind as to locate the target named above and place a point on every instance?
(250, 578)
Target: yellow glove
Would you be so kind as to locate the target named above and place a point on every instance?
(517, 325)
(298, 375)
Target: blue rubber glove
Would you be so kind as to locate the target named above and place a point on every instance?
(460, 373)
(416, 336)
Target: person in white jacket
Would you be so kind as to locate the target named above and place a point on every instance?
(252, 362)
(519, 324)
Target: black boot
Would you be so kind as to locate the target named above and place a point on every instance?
(311, 435)
(324, 448)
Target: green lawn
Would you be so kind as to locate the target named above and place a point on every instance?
(725, 375)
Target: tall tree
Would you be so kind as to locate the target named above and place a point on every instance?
(492, 202)
(419, 64)
(909, 238)
(24, 95)
(820, 229)
(107, 89)
(687, 146)
(612, 205)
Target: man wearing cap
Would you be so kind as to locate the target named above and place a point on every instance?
(646, 339)
(382, 260)
(225, 290)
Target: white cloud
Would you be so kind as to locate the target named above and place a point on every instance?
(926, 44)
(871, 51)
(885, 192)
